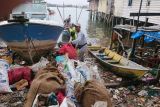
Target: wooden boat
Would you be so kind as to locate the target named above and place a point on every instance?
(117, 63)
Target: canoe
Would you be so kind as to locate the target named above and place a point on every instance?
(116, 63)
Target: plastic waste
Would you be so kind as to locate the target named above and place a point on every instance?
(3, 44)
(154, 91)
(52, 99)
(67, 103)
(143, 93)
(83, 70)
(4, 64)
(41, 64)
(4, 81)
(100, 104)
(60, 59)
(95, 74)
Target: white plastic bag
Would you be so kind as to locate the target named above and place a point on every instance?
(41, 64)
(4, 82)
(67, 103)
(100, 104)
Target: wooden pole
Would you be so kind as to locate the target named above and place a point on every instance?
(134, 41)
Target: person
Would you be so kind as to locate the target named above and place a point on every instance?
(67, 21)
(66, 36)
(80, 42)
(72, 31)
(67, 48)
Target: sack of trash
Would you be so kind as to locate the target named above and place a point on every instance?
(4, 81)
(46, 81)
(90, 92)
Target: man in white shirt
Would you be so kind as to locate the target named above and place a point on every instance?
(80, 43)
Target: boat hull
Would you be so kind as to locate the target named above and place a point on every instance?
(31, 39)
(126, 72)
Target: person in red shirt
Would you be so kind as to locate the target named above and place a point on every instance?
(67, 48)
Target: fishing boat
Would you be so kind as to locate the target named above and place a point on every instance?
(117, 63)
(28, 32)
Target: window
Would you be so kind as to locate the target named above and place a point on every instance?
(148, 2)
(129, 2)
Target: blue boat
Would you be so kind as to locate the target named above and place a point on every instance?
(30, 37)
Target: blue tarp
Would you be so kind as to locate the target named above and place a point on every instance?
(149, 36)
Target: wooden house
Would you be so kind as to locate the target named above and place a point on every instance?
(123, 8)
(93, 5)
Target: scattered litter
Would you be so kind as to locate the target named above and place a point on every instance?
(143, 93)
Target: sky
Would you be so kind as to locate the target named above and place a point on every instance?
(74, 2)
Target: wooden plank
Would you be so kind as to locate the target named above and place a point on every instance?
(145, 14)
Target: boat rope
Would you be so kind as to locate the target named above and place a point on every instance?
(79, 15)
(29, 42)
(29, 49)
(60, 15)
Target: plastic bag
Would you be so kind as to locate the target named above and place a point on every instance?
(100, 104)
(41, 64)
(4, 82)
(94, 74)
(67, 103)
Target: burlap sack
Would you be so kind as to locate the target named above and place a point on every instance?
(45, 82)
(90, 92)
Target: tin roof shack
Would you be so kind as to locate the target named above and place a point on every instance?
(123, 8)
(147, 51)
(93, 5)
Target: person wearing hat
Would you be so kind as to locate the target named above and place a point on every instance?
(80, 42)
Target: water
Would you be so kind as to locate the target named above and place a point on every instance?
(95, 31)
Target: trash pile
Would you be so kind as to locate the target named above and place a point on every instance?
(51, 84)
(131, 95)
(64, 82)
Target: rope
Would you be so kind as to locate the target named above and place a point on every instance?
(79, 14)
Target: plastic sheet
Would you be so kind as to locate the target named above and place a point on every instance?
(4, 81)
